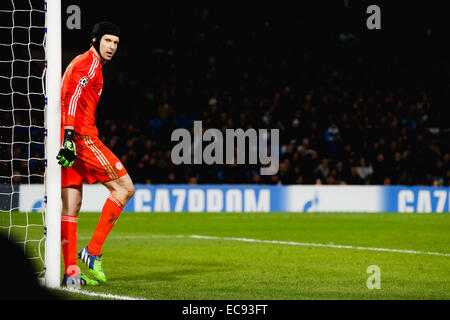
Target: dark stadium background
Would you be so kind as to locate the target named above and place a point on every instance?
(298, 66)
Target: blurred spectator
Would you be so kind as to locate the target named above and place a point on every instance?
(21, 282)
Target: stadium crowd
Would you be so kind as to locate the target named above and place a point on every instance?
(328, 135)
(347, 114)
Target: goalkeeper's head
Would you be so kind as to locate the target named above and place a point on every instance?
(105, 39)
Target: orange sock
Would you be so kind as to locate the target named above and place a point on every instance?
(69, 243)
(110, 213)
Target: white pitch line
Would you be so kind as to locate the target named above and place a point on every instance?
(292, 243)
(304, 244)
(101, 295)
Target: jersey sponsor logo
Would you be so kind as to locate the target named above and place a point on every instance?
(84, 81)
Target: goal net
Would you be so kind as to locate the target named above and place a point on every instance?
(25, 133)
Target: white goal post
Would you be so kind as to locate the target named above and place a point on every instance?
(52, 145)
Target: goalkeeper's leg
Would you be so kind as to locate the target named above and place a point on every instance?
(71, 202)
(101, 165)
(122, 190)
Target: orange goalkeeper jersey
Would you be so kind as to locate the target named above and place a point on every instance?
(82, 85)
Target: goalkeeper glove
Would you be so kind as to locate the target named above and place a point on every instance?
(67, 154)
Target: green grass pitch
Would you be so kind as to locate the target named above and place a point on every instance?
(154, 256)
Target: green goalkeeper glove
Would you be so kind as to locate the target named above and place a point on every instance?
(67, 154)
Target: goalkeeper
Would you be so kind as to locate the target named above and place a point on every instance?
(84, 157)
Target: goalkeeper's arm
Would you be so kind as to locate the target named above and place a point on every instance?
(67, 154)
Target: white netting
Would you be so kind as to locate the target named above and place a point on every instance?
(22, 125)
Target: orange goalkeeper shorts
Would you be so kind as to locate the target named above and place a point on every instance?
(94, 163)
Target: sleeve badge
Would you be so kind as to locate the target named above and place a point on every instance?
(84, 81)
